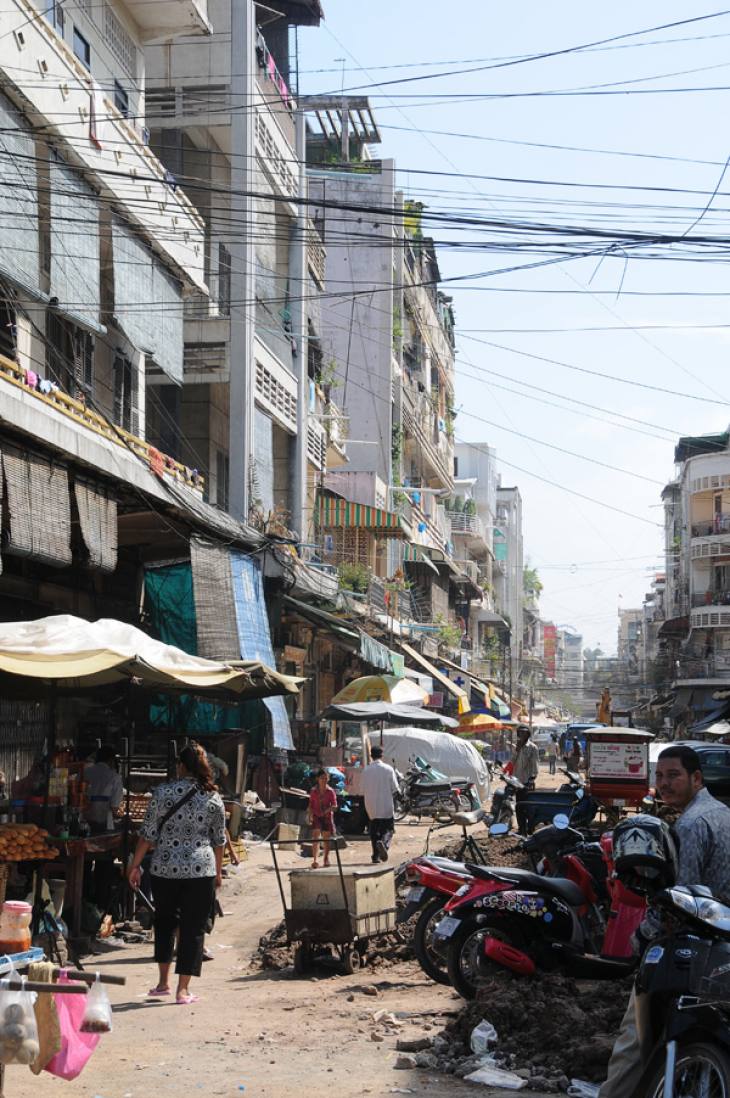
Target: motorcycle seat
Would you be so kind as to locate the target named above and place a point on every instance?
(468, 819)
(460, 781)
(555, 886)
(431, 787)
(447, 864)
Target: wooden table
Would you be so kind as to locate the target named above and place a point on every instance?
(73, 854)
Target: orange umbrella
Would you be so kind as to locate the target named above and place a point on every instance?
(478, 722)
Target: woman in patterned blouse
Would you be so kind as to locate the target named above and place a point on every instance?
(185, 829)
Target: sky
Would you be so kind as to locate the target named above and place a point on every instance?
(647, 315)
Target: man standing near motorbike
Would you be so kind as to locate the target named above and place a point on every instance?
(703, 831)
(525, 769)
(379, 783)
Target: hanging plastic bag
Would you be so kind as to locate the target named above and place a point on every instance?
(98, 1014)
(76, 1047)
(19, 1042)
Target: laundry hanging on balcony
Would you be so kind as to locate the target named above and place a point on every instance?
(147, 302)
(335, 512)
(19, 254)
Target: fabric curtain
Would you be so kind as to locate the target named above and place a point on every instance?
(75, 262)
(98, 522)
(255, 636)
(19, 239)
(147, 302)
(39, 508)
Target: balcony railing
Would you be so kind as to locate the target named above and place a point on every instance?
(703, 667)
(462, 523)
(719, 524)
(90, 420)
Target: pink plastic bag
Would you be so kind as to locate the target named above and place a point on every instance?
(76, 1047)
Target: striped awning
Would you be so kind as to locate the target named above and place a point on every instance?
(342, 513)
(418, 554)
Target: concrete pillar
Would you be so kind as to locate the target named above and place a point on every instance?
(299, 283)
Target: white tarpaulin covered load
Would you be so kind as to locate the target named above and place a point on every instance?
(454, 757)
(86, 653)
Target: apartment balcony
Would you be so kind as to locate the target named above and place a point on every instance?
(719, 524)
(70, 428)
(709, 546)
(166, 20)
(694, 666)
(471, 530)
(436, 457)
(337, 425)
(437, 532)
(711, 598)
(710, 617)
(66, 102)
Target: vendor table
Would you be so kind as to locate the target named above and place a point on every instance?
(74, 853)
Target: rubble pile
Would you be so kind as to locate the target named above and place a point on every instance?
(494, 850)
(550, 1029)
(273, 953)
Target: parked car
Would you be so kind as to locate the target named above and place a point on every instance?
(715, 759)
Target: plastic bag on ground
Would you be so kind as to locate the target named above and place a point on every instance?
(496, 1077)
(18, 1030)
(98, 1014)
(482, 1036)
(579, 1088)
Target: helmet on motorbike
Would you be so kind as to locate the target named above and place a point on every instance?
(644, 854)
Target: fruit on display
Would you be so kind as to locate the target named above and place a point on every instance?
(24, 843)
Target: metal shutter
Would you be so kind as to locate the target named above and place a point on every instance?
(19, 242)
(75, 265)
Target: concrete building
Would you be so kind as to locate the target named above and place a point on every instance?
(508, 569)
(630, 646)
(696, 629)
(570, 672)
(255, 409)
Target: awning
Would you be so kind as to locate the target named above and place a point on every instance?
(489, 617)
(339, 628)
(83, 653)
(342, 513)
(418, 554)
(674, 627)
(460, 694)
(386, 711)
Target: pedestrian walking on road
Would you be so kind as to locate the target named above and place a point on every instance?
(322, 803)
(552, 753)
(379, 784)
(574, 761)
(185, 829)
(525, 768)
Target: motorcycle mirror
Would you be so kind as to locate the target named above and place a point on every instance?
(499, 829)
(561, 821)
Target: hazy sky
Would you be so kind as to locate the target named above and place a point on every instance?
(591, 558)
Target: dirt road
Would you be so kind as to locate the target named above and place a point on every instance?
(260, 1034)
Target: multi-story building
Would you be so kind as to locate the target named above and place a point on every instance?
(630, 646)
(255, 410)
(697, 594)
(508, 569)
(570, 660)
(654, 646)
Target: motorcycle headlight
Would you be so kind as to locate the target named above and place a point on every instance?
(684, 901)
(413, 873)
(714, 913)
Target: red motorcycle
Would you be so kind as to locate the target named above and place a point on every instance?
(580, 921)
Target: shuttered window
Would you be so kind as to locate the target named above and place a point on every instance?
(19, 250)
(126, 389)
(70, 356)
(75, 266)
(147, 302)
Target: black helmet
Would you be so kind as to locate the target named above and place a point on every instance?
(644, 854)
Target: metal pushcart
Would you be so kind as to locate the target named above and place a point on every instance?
(334, 911)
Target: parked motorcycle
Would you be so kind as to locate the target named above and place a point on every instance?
(424, 791)
(683, 1000)
(524, 921)
(502, 809)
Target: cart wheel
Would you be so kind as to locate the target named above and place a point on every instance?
(302, 960)
(351, 961)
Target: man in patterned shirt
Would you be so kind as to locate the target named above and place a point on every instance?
(703, 834)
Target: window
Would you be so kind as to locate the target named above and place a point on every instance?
(69, 356)
(224, 280)
(82, 49)
(8, 345)
(126, 414)
(456, 466)
(121, 99)
(53, 12)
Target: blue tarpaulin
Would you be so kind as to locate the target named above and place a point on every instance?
(255, 637)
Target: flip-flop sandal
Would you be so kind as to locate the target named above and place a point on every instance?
(158, 992)
(187, 1000)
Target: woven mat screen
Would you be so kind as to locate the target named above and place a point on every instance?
(98, 521)
(39, 507)
(215, 609)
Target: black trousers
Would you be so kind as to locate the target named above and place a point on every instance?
(182, 904)
(381, 830)
(521, 810)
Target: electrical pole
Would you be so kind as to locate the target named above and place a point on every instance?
(298, 278)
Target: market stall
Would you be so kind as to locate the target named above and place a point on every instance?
(62, 658)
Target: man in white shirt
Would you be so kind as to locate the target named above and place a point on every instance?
(379, 783)
(106, 790)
